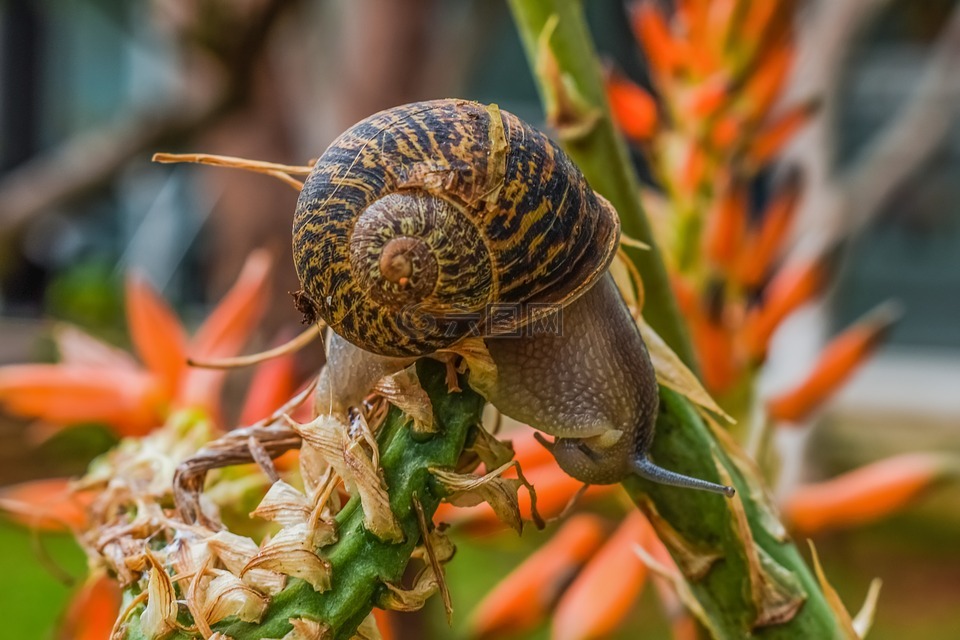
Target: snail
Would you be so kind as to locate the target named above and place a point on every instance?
(431, 222)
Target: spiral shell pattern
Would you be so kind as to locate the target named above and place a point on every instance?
(417, 219)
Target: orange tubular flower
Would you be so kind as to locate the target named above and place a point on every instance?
(773, 138)
(836, 364)
(93, 610)
(524, 598)
(652, 31)
(604, 592)
(793, 286)
(726, 225)
(95, 383)
(49, 504)
(634, 110)
(763, 87)
(762, 249)
(274, 382)
(866, 494)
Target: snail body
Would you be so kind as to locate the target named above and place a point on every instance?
(435, 221)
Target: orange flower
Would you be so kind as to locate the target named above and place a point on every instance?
(49, 504)
(793, 286)
(274, 382)
(94, 384)
(836, 364)
(866, 494)
(652, 31)
(603, 593)
(726, 225)
(524, 598)
(634, 110)
(763, 246)
(93, 610)
(770, 140)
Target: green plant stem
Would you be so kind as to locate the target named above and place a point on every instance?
(361, 562)
(706, 522)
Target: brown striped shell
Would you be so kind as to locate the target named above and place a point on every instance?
(421, 221)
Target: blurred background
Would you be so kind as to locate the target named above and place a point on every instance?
(90, 89)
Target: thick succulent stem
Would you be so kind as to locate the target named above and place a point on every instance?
(741, 570)
(361, 562)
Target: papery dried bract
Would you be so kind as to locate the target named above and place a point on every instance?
(673, 374)
(291, 552)
(235, 552)
(283, 504)
(352, 462)
(467, 490)
(227, 595)
(160, 616)
(403, 390)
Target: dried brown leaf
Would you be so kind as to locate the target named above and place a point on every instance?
(674, 375)
(354, 464)
(403, 391)
(159, 618)
(694, 562)
(477, 359)
(466, 490)
(304, 629)
(227, 595)
(776, 592)
(284, 505)
(833, 598)
(492, 451)
(412, 599)
(683, 591)
(863, 621)
(291, 552)
(368, 629)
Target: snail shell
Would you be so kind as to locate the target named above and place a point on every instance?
(418, 219)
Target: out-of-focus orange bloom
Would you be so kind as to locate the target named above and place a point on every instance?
(634, 110)
(555, 490)
(135, 400)
(707, 98)
(716, 352)
(274, 382)
(866, 494)
(93, 611)
(763, 86)
(726, 225)
(842, 356)
(771, 140)
(763, 246)
(651, 30)
(385, 623)
(791, 287)
(603, 593)
(49, 504)
(524, 598)
(693, 170)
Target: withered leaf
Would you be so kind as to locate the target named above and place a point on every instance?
(160, 616)
(283, 504)
(776, 593)
(291, 552)
(467, 490)
(227, 596)
(674, 375)
(354, 464)
(403, 390)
